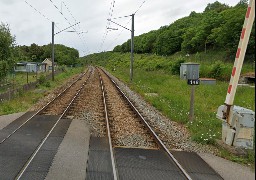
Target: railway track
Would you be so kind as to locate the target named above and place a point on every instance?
(125, 123)
(57, 105)
(47, 119)
(93, 97)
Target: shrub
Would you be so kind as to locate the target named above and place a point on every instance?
(63, 68)
(175, 66)
(47, 84)
(42, 79)
(216, 70)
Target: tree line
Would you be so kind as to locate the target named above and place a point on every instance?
(10, 53)
(217, 28)
(63, 55)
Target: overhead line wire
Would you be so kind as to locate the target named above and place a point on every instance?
(119, 33)
(37, 11)
(140, 7)
(66, 20)
(80, 29)
(40, 12)
(110, 14)
(127, 23)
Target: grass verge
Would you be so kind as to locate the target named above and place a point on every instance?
(24, 100)
(173, 97)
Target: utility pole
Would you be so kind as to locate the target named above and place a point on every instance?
(132, 43)
(192, 100)
(132, 48)
(52, 51)
(53, 44)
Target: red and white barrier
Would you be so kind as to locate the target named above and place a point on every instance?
(244, 38)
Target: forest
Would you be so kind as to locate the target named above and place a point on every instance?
(218, 27)
(10, 53)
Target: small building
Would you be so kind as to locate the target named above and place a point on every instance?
(48, 63)
(30, 67)
(20, 67)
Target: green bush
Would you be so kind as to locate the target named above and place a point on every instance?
(63, 68)
(42, 79)
(216, 70)
(175, 66)
(47, 84)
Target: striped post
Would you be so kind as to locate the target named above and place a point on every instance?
(244, 38)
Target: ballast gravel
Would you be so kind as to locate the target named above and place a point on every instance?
(175, 135)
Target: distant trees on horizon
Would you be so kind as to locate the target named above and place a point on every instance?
(218, 27)
(10, 53)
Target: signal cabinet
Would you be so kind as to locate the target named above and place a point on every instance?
(189, 70)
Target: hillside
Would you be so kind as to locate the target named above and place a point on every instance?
(213, 64)
(217, 28)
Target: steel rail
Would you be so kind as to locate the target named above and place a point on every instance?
(43, 108)
(24, 168)
(155, 136)
(108, 128)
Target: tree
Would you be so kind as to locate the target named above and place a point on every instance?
(242, 3)
(197, 37)
(216, 6)
(218, 27)
(6, 44)
(117, 48)
(227, 35)
(3, 69)
(36, 52)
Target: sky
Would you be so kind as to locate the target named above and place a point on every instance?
(30, 21)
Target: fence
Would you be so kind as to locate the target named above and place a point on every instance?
(11, 93)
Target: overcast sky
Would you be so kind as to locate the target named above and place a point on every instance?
(34, 26)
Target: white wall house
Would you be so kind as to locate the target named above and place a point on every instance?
(48, 63)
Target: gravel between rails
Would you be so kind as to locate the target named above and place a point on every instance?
(51, 95)
(89, 106)
(60, 103)
(174, 135)
(125, 127)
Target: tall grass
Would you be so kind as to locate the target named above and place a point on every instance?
(212, 64)
(174, 97)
